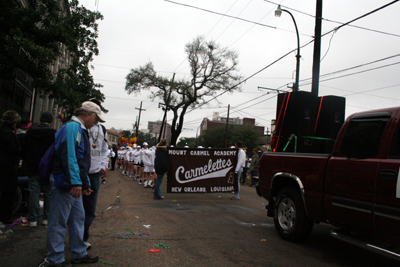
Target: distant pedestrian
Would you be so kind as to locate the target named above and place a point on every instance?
(239, 167)
(9, 157)
(161, 163)
(37, 140)
(114, 156)
(264, 150)
(254, 166)
(259, 152)
(70, 173)
(245, 168)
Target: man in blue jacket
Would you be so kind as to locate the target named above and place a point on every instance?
(70, 173)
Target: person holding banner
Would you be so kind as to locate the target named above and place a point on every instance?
(239, 167)
(161, 164)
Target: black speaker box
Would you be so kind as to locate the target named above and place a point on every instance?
(296, 115)
(315, 121)
(330, 116)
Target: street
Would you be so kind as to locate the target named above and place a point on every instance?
(189, 230)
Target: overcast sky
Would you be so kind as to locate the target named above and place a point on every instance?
(134, 33)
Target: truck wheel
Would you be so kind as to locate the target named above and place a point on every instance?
(290, 217)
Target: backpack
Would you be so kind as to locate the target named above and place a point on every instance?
(46, 165)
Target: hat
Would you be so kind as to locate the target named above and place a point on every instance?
(26, 125)
(10, 117)
(46, 117)
(265, 147)
(138, 146)
(145, 144)
(134, 145)
(92, 107)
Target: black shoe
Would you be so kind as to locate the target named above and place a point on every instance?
(87, 259)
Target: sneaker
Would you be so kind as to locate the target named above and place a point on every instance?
(32, 224)
(88, 245)
(63, 264)
(140, 181)
(146, 184)
(2, 225)
(87, 259)
(45, 222)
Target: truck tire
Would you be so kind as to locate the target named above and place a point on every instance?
(290, 218)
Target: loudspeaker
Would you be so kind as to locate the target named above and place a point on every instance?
(296, 115)
(330, 117)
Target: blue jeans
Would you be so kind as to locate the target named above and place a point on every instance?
(34, 192)
(66, 212)
(90, 203)
(239, 174)
(157, 190)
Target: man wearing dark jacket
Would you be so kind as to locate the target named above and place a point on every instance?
(161, 166)
(36, 142)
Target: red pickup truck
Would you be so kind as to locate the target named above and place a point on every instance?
(355, 188)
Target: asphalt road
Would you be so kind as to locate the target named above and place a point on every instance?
(199, 229)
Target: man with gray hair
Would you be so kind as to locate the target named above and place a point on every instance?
(70, 172)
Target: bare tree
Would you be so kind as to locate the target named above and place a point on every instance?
(213, 69)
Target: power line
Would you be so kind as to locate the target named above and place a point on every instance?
(338, 22)
(233, 20)
(362, 16)
(208, 33)
(225, 15)
(376, 89)
(358, 72)
(121, 98)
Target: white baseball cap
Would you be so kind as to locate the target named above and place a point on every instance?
(92, 107)
(145, 144)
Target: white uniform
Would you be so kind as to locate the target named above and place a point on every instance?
(136, 157)
(128, 154)
(121, 154)
(148, 156)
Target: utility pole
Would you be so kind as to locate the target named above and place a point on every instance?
(317, 48)
(226, 131)
(140, 112)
